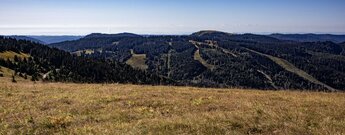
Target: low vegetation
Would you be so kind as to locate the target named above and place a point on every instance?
(137, 61)
(198, 57)
(11, 55)
(66, 108)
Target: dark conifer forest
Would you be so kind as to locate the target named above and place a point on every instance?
(51, 64)
(204, 59)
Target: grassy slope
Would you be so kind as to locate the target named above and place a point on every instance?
(46, 108)
(86, 51)
(7, 75)
(6, 72)
(137, 61)
(198, 57)
(10, 55)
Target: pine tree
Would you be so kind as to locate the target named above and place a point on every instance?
(1, 75)
(25, 76)
(16, 59)
(34, 77)
(13, 79)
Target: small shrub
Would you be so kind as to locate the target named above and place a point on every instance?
(13, 79)
(58, 122)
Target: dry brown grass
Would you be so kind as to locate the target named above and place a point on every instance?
(10, 55)
(86, 51)
(47, 108)
(6, 72)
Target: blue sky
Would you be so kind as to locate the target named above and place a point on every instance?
(80, 17)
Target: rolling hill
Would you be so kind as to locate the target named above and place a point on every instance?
(219, 59)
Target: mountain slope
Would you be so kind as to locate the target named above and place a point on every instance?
(49, 64)
(219, 59)
(291, 68)
(322, 60)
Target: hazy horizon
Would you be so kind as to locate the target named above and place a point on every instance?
(163, 34)
(178, 17)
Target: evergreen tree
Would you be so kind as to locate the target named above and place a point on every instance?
(34, 77)
(25, 76)
(16, 59)
(13, 79)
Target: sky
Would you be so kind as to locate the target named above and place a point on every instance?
(81, 17)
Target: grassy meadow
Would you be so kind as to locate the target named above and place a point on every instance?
(10, 55)
(66, 108)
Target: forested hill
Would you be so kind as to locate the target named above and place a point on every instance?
(38, 62)
(95, 40)
(219, 59)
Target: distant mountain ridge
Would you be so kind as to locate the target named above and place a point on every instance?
(27, 38)
(310, 37)
(46, 39)
(207, 33)
(56, 39)
(100, 35)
